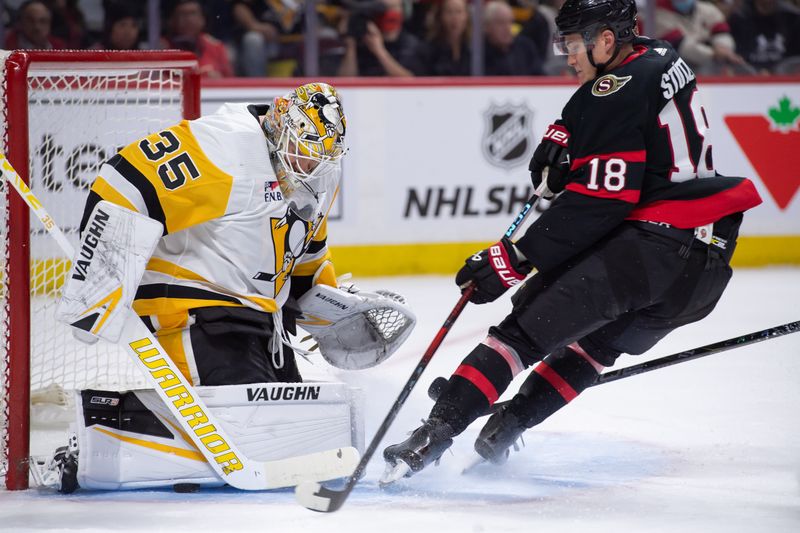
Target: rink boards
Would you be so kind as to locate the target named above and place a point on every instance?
(438, 168)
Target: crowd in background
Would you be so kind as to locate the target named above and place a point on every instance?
(399, 37)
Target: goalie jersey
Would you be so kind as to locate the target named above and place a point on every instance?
(639, 149)
(230, 236)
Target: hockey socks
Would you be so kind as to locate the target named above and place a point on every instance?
(553, 383)
(477, 383)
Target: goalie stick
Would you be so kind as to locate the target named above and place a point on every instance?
(317, 497)
(196, 420)
(437, 385)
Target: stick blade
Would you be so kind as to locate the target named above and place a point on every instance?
(314, 496)
(312, 467)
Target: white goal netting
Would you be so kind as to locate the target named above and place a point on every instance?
(79, 115)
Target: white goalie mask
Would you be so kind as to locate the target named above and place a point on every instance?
(306, 129)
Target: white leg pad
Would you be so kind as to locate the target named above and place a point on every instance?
(267, 421)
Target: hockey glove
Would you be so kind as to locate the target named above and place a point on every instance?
(493, 271)
(551, 152)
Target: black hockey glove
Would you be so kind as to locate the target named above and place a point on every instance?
(552, 153)
(493, 271)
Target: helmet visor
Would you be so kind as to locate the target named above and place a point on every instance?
(573, 43)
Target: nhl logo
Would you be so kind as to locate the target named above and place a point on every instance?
(508, 140)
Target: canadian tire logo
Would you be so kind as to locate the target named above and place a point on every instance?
(771, 143)
(508, 137)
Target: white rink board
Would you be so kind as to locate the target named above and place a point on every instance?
(425, 139)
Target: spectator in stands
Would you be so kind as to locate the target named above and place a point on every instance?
(32, 28)
(377, 45)
(699, 32)
(185, 27)
(539, 28)
(259, 35)
(69, 24)
(506, 54)
(766, 32)
(446, 51)
(122, 25)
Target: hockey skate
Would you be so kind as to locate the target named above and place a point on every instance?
(59, 471)
(498, 435)
(425, 446)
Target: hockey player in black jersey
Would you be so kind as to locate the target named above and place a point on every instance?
(637, 244)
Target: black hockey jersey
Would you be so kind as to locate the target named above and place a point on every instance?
(640, 149)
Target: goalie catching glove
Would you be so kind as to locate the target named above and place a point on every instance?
(355, 329)
(106, 271)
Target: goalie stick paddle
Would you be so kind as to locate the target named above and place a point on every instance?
(437, 385)
(197, 421)
(317, 497)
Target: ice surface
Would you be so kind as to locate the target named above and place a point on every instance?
(711, 445)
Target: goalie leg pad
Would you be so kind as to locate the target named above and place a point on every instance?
(130, 440)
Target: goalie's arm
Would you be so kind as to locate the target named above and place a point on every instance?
(167, 177)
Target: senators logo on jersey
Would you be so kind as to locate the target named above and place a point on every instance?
(609, 84)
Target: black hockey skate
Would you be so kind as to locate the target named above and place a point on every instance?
(498, 435)
(67, 464)
(425, 446)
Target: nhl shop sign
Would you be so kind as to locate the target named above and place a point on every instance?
(508, 135)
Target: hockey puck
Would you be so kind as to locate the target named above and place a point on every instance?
(184, 488)
(436, 388)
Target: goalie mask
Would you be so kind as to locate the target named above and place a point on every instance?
(305, 129)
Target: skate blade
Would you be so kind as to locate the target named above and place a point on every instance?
(394, 473)
(474, 462)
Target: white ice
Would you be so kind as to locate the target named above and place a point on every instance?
(711, 445)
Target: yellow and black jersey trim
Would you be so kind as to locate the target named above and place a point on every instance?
(166, 299)
(143, 185)
(176, 182)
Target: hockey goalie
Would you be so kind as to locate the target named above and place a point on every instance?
(214, 232)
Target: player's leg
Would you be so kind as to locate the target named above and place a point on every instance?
(567, 372)
(557, 305)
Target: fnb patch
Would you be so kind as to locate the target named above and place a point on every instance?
(272, 191)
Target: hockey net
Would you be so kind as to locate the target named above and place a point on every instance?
(62, 114)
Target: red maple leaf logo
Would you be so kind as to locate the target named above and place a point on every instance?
(770, 144)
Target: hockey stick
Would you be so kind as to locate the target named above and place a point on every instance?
(197, 421)
(317, 497)
(437, 386)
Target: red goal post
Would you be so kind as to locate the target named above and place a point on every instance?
(62, 113)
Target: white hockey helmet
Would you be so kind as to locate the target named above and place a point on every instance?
(306, 130)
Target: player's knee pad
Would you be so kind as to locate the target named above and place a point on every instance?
(477, 383)
(130, 440)
(555, 382)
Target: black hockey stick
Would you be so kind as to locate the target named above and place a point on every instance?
(317, 497)
(437, 386)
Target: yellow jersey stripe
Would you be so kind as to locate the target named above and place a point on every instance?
(109, 193)
(156, 264)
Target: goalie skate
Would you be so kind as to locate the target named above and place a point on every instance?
(60, 471)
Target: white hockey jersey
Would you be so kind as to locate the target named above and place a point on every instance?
(230, 237)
